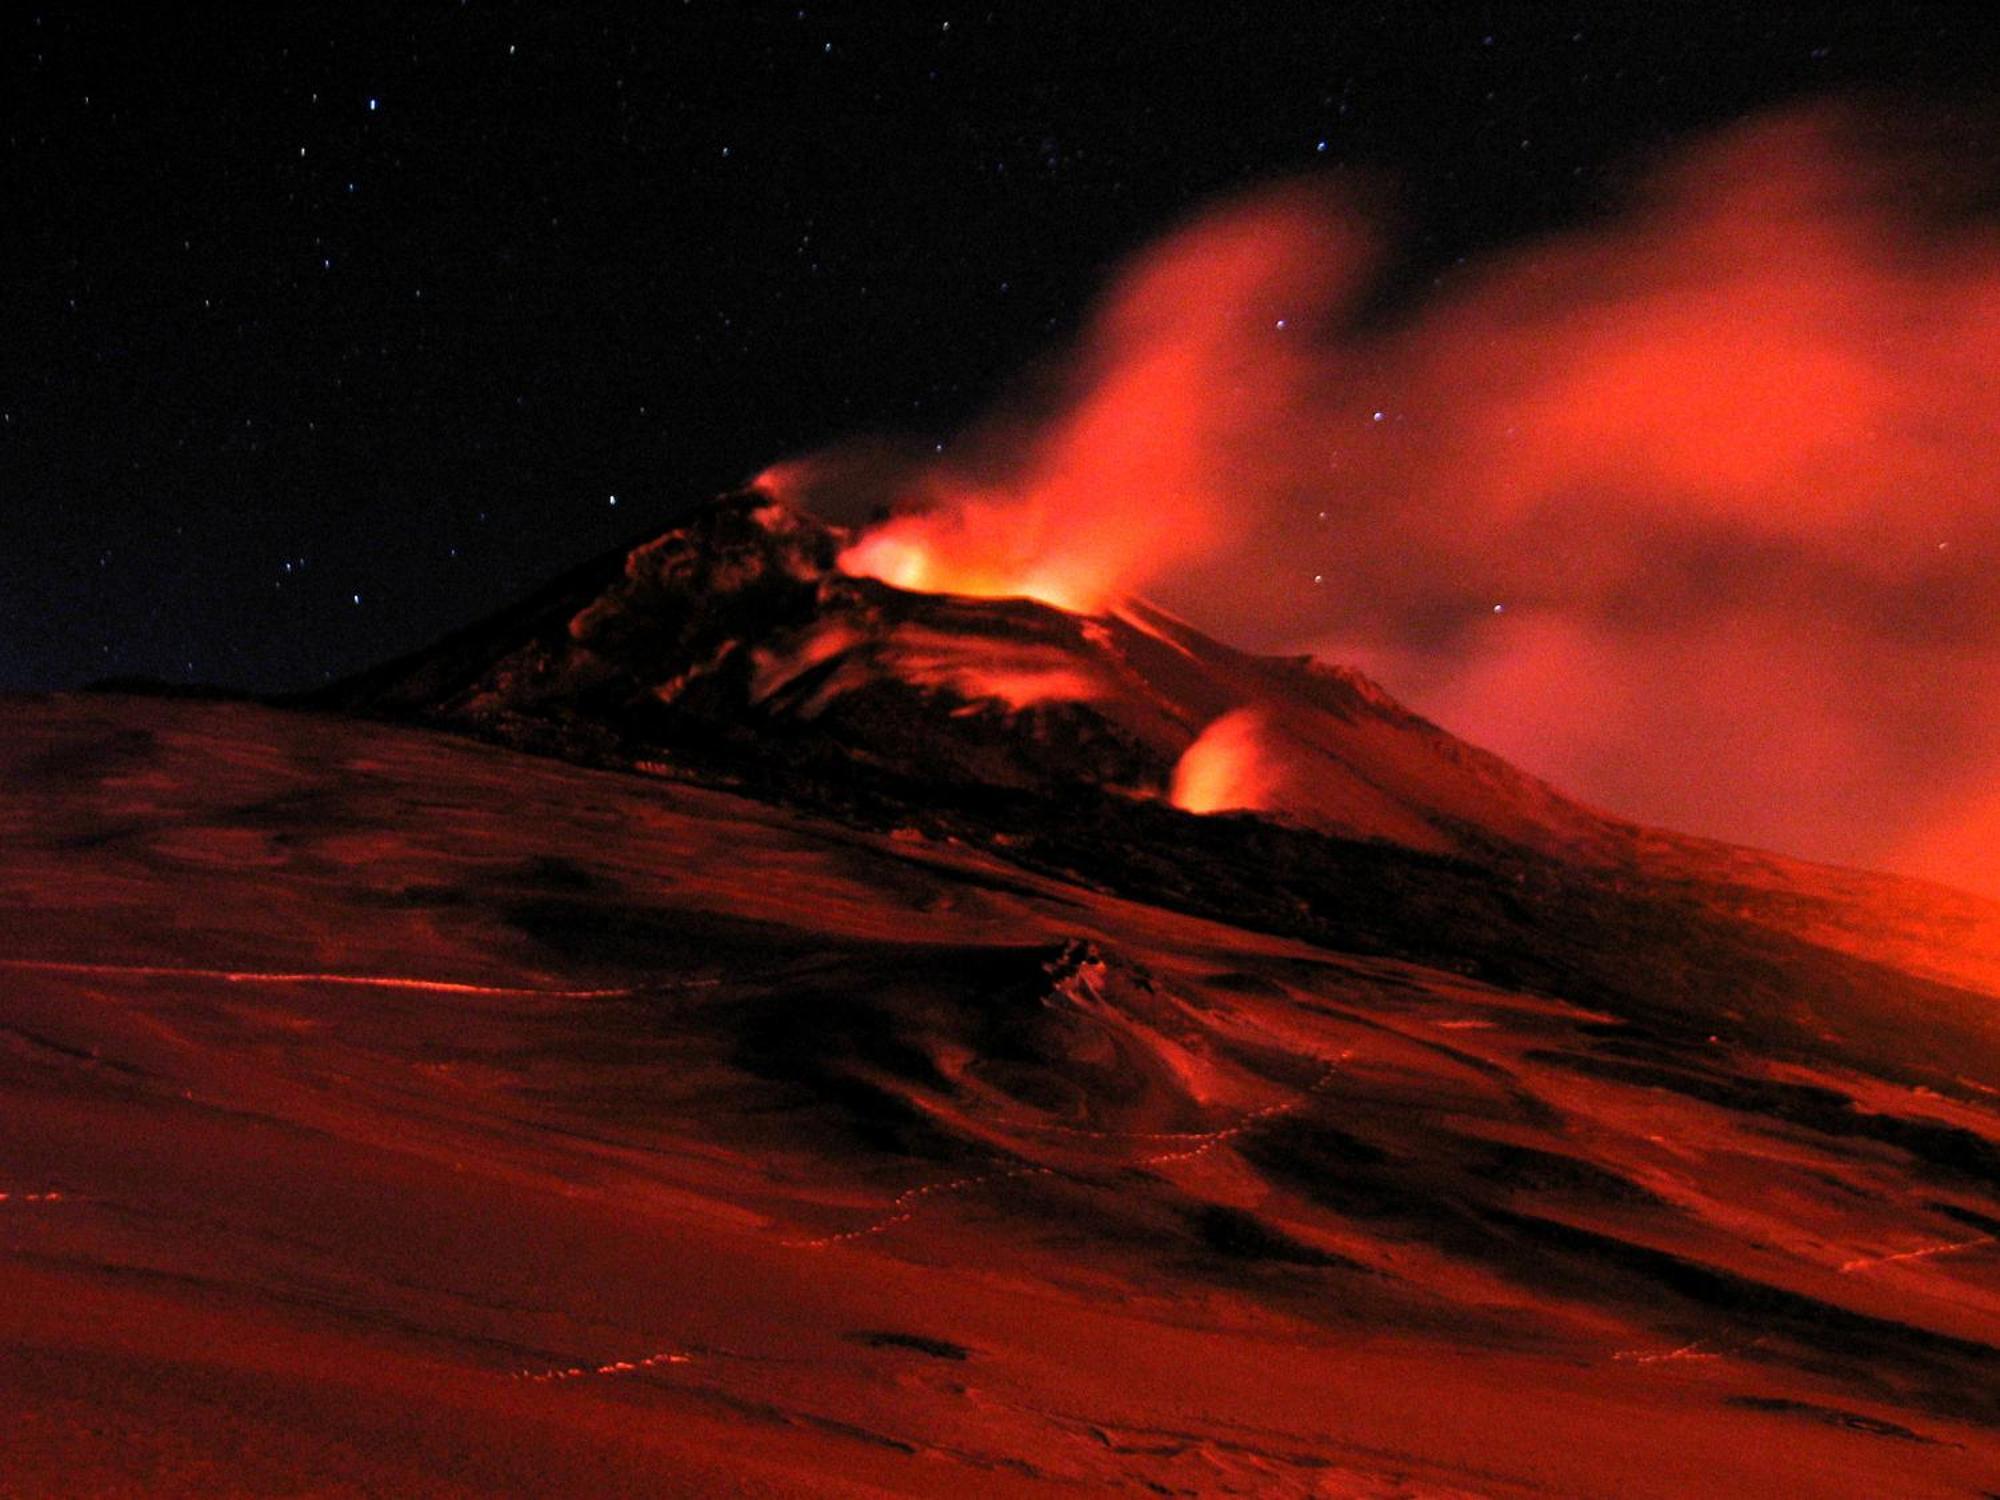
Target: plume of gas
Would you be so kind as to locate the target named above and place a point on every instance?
(1690, 509)
(1139, 472)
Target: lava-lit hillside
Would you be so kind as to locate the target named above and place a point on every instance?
(736, 643)
(730, 1026)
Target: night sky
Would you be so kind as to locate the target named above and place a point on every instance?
(328, 331)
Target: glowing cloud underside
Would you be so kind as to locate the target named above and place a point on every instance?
(1726, 461)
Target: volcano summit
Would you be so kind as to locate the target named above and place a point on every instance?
(739, 641)
(730, 1025)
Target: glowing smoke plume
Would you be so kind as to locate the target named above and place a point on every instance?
(1726, 463)
(1138, 476)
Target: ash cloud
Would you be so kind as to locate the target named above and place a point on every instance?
(1726, 461)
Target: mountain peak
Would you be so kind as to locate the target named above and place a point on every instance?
(734, 644)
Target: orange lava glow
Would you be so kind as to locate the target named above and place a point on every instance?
(970, 550)
(1136, 476)
(977, 670)
(1228, 768)
(1687, 509)
(1020, 690)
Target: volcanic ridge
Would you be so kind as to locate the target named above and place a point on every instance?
(725, 1024)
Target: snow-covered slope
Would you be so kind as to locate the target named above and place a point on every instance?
(978, 1105)
(393, 1114)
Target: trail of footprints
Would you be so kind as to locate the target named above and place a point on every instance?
(286, 976)
(557, 1374)
(1923, 1252)
(1252, 1120)
(904, 1206)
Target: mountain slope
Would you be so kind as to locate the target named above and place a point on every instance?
(392, 1113)
(732, 650)
(737, 633)
(920, 1080)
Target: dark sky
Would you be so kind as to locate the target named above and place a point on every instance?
(329, 330)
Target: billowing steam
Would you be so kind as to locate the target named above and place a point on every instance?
(1200, 357)
(1695, 510)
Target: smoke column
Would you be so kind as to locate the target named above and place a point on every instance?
(1692, 510)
